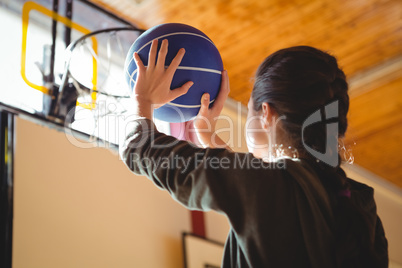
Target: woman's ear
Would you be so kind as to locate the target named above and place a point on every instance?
(266, 115)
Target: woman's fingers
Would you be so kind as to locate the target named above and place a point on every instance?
(162, 54)
(162, 57)
(223, 92)
(176, 62)
(152, 53)
(204, 104)
(138, 61)
(177, 92)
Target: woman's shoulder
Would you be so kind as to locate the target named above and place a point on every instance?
(363, 196)
(360, 187)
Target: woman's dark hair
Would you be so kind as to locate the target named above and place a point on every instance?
(296, 82)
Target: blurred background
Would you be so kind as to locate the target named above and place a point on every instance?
(78, 207)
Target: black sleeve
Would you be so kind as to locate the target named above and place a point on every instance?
(200, 179)
(381, 244)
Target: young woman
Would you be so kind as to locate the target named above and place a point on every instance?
(298, 210)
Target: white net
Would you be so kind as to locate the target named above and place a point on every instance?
(95, 68)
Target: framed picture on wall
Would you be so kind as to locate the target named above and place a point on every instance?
(200, 252)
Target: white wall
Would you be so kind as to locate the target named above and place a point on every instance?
(83, 208)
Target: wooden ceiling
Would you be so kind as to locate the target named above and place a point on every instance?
(365, 36)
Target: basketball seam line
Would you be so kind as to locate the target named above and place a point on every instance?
(199, 69)
(162, 36)
(182, 68)
(178, 33)
(187, 106)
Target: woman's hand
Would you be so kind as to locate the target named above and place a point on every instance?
(152, 88)
(205, 121)
(206, 118)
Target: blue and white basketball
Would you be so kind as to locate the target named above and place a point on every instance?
(201, 64)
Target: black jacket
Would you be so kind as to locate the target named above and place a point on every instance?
(279, 212)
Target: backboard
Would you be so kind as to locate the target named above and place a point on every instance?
(62, 65)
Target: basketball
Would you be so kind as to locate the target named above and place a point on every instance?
(201, 64)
